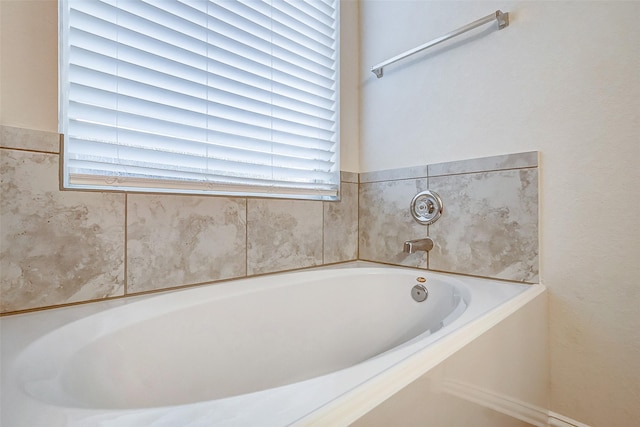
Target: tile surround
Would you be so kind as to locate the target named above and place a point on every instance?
(62, 247)
(56, 247)
(489, 226)
(341, 226)
(175, 240)
(283, 235)
(385, 222)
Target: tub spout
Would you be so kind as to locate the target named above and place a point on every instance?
(413, 246)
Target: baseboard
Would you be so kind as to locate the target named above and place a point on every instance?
(532, 414)
(558, 420)
(515, 408)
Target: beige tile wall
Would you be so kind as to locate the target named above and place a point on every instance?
(60, 247)
(177, 240)
(489, 225)
(385, 220)
(55, 247)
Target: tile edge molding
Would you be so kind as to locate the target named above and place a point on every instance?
(522, 160)
(30, 139)
(350, 177)
(411, 172)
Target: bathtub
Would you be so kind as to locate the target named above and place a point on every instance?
(316, 347)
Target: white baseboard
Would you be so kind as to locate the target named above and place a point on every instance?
(532, 414)
(558, 420)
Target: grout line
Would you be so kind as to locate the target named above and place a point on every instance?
(322, 228)
(126, 244)
(246, 237)
(358, 218)
(428, 228)
(27, 150)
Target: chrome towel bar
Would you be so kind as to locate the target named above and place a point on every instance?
(501, 17)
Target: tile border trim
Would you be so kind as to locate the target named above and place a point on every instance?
(523, 160)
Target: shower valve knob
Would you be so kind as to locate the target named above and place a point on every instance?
(426, 207)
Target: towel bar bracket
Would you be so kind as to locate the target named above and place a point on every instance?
(503, 19)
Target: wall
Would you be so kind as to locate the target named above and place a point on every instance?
(29, 65)
(563, 80)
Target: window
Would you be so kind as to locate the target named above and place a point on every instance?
(236, 97)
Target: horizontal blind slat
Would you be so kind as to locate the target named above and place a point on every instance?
(186, 139)
(153, 37)
(205, 159)
(235, 68)
(100, 69)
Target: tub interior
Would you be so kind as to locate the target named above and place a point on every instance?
(224, 346)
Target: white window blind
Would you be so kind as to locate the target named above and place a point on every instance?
(222, 97)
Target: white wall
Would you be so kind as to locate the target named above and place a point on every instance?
(349, 85)
(563, 79)
(29, 64)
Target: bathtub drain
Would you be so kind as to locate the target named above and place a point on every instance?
(419, 293)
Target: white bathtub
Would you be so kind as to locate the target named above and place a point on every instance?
(315, 347)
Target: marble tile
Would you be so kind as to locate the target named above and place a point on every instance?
(28, 139)
(486, 164)
(386, 223)
(181, 240)
(55, 247)
(413, 172)
(341, 226)
(489, 226)
(349, 177)
(283, 235)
